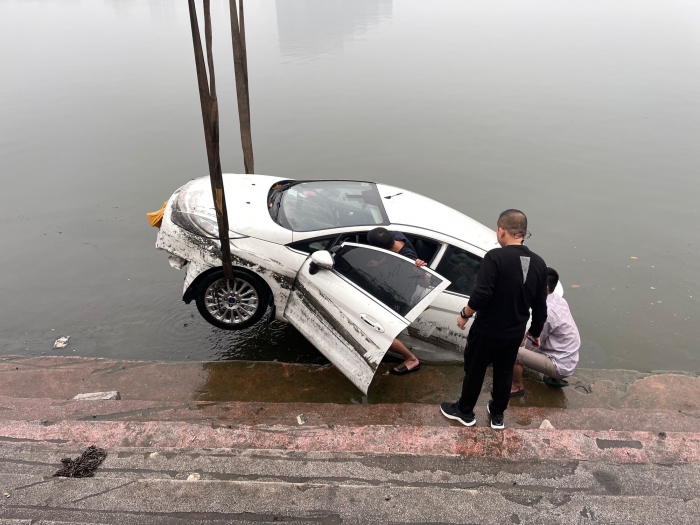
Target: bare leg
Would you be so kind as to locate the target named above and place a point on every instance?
(410, 360)
(517, 385)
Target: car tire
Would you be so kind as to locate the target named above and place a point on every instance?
(222, 306)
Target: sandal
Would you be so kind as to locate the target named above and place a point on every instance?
(403, 370)
(553, 382)
(519, 393)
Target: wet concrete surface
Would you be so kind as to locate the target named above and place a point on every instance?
(64, 377)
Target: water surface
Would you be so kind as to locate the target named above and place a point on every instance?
(584, 114)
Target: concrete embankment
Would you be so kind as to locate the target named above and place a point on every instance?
(625, 447)
(64, 377)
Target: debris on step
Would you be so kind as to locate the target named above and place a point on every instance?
(98, 396)
(61, 342)
(83, 466)
(196, 476)
(546, 425)
(301, 419)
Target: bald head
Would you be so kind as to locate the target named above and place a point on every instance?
(514, 222)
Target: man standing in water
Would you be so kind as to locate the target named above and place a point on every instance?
(511, 280)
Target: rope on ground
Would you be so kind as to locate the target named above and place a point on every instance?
(83, 466)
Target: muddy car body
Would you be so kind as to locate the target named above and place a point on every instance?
(300, 254)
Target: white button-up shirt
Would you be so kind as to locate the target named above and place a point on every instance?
(559, 339)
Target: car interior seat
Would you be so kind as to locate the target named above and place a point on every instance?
(425, 249)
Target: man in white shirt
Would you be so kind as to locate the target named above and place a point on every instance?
(556, 356)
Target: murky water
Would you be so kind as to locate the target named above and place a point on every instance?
(585, 114)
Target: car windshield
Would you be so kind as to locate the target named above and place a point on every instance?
(321, 205)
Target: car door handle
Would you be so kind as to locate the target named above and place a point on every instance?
(372, 323)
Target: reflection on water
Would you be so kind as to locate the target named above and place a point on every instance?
(291, 383)
(276, 342)
(313, 28)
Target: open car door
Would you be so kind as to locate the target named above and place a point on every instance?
(352, 304)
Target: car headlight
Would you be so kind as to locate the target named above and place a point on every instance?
(201, 223)
(192, 210)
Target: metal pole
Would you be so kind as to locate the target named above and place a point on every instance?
(210, 120)
(240, 65)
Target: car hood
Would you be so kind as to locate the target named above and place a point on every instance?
(246, 204)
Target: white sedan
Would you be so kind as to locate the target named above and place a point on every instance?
(300, 253)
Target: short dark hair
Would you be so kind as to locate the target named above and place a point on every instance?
(381, 238)
(513, 221)
(552, 279)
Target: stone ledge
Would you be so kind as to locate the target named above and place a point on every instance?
(242, 413)
(510, 444)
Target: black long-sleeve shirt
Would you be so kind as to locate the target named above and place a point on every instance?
(511, 280)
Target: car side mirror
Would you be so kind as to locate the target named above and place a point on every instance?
(320, 259)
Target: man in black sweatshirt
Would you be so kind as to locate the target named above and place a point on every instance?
(511, 280)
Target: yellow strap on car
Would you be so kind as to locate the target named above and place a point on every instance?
(156, 217)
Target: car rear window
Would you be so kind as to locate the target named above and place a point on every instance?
(392, 280)
(321, 205)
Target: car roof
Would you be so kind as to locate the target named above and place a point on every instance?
(405, 207)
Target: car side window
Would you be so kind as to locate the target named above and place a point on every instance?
(460, 267)
(357, 237)
(425, 248)
(313, 245)
(392, 280)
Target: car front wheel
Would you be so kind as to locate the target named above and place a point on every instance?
(231, 305)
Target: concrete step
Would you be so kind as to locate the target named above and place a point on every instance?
(455, 440)
(28, 465)
(43, 522)
(147, 485)
(51, 411)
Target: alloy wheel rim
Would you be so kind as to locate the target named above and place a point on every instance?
(231, 303)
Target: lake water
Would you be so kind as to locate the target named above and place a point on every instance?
(585, 114)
